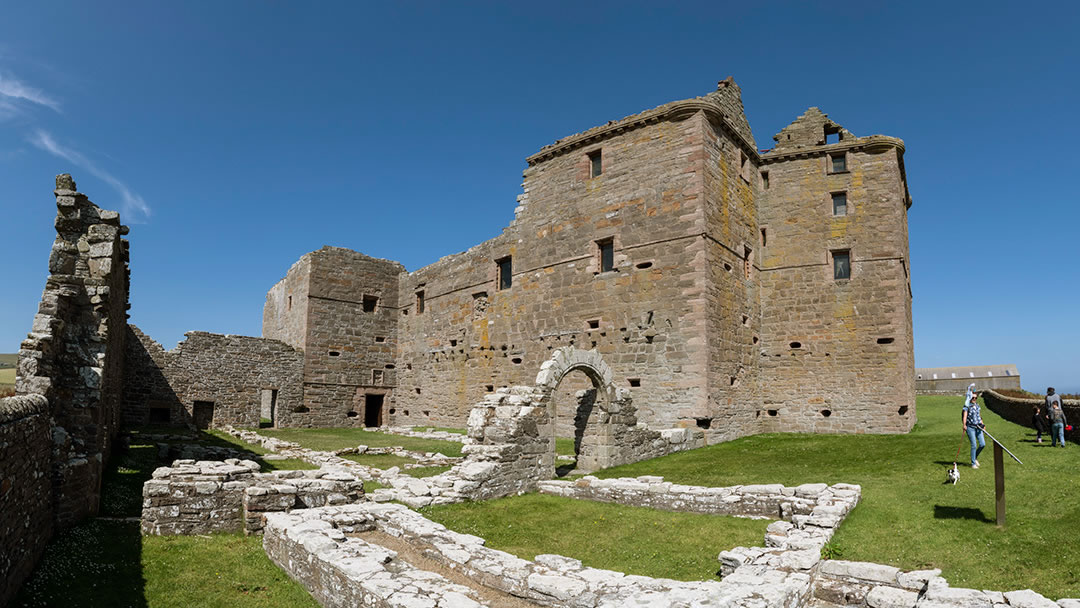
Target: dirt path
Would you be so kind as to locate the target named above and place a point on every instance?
(412, 555)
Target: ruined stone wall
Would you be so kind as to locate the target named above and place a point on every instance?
(350, 345)
(231, 372)
(74, 354)
(648, 312)
(26, 509)
(836, 355)
(285, 313)
(208, 497)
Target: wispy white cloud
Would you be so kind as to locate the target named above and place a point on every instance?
(134, 208)
(13, 89)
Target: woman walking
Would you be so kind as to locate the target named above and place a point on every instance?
(973, 427)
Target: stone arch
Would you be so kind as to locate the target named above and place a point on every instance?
(594, 436)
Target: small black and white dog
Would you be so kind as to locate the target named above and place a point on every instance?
(954, 474)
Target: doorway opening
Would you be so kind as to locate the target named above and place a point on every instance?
(202, 414)
(268, 409)
(373, 410)
(574, 402)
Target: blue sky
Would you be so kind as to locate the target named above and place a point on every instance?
(236, 136)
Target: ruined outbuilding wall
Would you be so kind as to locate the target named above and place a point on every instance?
(74, 354)
(836, 354)
(229, 371)
(26, 510)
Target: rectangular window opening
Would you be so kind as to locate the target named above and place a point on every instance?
(380, 339)
(606, 251)
(370, 302)
(747, 264)
(506, 272)
(289, 305)
(841, 265)
(420, 302)
(838, 162)
(839, 203)
(764, 180)
(764, 237)
(593, 323)
(595, 163)
(832, 137)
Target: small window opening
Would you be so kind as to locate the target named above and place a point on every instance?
(393, 410)
(764, 237)
(427, 413)
(453, 343)
(634, 382)
(595, 163)
(826, 413)
(593, 323)
(747, 264)
(795, 345)
(418, 390)
(756, 339)
(390, 366)
(841, 265)
(704, 423)
(773, 412)
(727, 267)
(406, 412)
(839, 203)
(832, 135)
(489, 388)
(885, 340)
(644, 265)
(838, 162)
(420, 302)
(334, 353)
(301, 409)
(516, 360)
(764, 180)
(408, 366)
(902, 410)
(289, 305)
(734, 381)
(370, 302)
(746, 321)
(506, 272)
(351, 414)
(606, 251)
(380, 339)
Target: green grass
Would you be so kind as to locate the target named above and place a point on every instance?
(379, 461)
(7, 375)
(635, 540)
(221, 438)
(328, 440)
(564, 446)
(422, 429)
(425, 471)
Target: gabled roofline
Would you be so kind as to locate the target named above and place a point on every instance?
(674, 111)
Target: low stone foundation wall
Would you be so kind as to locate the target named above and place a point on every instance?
(773, 501)
(26, 510)
(313, 546)
(1018, 410)
(204, 497)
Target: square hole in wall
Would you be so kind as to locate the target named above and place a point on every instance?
(369, 302)
(593, 323)
(380, 339)
(634, 382)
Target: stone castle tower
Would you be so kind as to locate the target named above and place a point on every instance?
(730, 289)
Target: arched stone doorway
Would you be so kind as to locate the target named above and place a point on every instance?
(592, 406)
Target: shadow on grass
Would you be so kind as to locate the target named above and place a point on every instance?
(946, 512)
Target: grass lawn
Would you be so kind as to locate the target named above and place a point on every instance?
(104, 562)
(635, 540)
(907, 517)
(221, 438)
(328, 440)
(423, 429)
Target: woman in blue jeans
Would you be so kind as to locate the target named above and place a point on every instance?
(973, 426)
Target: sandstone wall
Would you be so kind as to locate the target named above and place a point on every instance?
(1015, 409)
(836, 355)
(26, 509)
(647, 313)
(285, 313)
(231, 372)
